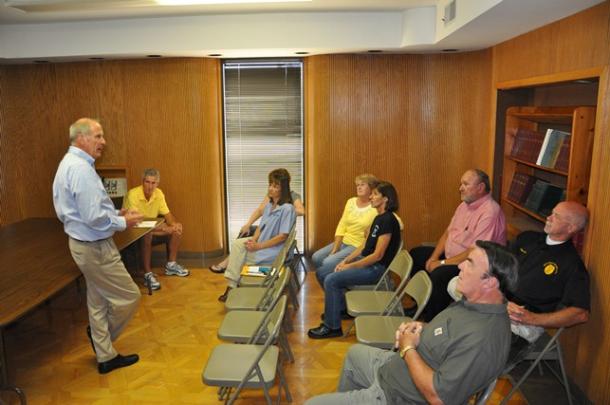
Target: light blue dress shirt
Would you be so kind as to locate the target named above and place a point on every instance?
(80, 200)
(274, 222)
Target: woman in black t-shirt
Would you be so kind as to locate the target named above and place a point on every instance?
(364, 265)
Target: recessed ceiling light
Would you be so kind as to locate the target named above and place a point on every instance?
(204, 2)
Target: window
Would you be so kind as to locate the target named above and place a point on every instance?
(263, 130)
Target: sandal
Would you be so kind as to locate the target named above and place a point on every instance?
(217, 269)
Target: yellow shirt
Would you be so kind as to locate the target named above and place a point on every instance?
(355, 222)
(149, 208)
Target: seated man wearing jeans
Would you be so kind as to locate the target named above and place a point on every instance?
(458, 353)
(150, 201)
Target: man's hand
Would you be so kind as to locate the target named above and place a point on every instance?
(252, 245)
(519, 315)
(177, 228)
(132, 217)
(432, 264)
(408, 334)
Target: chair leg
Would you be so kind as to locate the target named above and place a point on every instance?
(283, 383)
(530, 369)
(349, 329)
(566, 383)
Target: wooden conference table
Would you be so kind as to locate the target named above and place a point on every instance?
(36, 265)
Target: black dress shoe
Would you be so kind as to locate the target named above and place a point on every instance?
(223, 297)
(90, 338)
(324, 332)
(344, 315)
(118, 362)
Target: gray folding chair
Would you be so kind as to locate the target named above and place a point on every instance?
(226, 366)
(359, 302)
(243, 326)
(379, 330)
(258, 281)
(544, 349)
(257, 298)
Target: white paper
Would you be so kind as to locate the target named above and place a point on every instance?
(146, 224)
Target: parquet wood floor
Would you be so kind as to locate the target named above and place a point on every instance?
(173, 332)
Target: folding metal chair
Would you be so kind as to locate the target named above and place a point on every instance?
(361, 302)
(545, 348)
(243, 326)
(379, 330)
(225, 366)
(258, 281)
(257, 298)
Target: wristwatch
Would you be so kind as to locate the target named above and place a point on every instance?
(404, 351)
(443, 262)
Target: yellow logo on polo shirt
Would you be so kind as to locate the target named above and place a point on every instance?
(550, 268)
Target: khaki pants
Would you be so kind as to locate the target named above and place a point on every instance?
(112, 296)
(237, 259)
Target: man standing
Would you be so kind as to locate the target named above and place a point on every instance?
(553, 289)
(478, 217)
(446, 361)
(149, 200)
(90, 220)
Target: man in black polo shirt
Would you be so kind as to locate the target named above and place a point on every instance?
(457, 354)
(553, 289)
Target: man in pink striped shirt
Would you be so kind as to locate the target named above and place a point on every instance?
(478, 217)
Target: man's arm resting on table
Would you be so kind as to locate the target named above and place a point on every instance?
(564, 317)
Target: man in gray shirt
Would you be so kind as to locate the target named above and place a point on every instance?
(446, 361)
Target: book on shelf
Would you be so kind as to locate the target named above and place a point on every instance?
(256, 271)
(520, 187)
(526, 145)
(552, 196)
(551, 146)
(563, 159)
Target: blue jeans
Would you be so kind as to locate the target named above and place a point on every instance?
(335, 285)
(325, 262)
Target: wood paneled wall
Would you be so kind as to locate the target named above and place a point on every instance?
(579, 42)
(418, 121)
(155, 113)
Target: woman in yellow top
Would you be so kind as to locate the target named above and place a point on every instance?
(356, 220)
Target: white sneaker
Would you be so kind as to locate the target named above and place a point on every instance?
(175, 269)
(151, 280)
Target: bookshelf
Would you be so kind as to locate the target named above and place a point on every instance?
(525, 184)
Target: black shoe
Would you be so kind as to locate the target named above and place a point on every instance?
(91, 339)
(344, 315)
(223, 297)
(217, 269)
(324, 332)
(118, 362)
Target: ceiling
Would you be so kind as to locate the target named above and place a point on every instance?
(65, 30)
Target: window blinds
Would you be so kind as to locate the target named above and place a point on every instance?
(263, 130)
